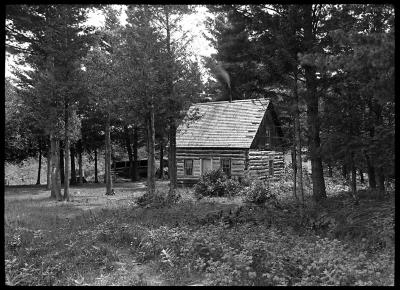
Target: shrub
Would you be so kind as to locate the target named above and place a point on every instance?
(160, 199)
(232, 187)
(210, 184)
(144, 200)
(215, 183)
(245, 180)
(258, 193)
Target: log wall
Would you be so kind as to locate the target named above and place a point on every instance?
(237, 156)
(258, 164)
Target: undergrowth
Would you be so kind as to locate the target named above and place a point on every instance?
(209, 243)
(255, 252)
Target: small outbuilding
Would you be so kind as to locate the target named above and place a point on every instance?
(240, 137)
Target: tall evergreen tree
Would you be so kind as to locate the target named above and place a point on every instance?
(143, 57)
(56, 42)
(363, 66)
(180, 75)
(103, 78)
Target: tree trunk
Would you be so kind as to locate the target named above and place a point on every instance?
(61, 164)
(135, 172)
(161, 160)
(73, 169)
(58, 173)
(371, 172)
(312, 98)
(54, 148)
(115, 167)
(66, 153)
(361, 176)
(370, 166)
(299, 162)
(172, 157)
(80, 179)
(297, 132)
(40, 162)
(129, 151)
(55, 168)
(48, 186)
(67, 170)
(381, 182)
(294, 166)
(151, 150)
(353, 178)
(381, 177)
(96, 179)
(53, 165)
(345, 173)
(172, 126)
(108, 155)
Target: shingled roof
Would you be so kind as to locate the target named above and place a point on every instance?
(222, 124)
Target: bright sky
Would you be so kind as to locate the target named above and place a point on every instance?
(193, 23)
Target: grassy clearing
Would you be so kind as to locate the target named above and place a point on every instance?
(45, 240)
(101, 240)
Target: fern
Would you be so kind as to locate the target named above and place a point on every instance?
(168, 257)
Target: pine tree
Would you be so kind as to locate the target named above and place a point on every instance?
(103, 77)
(143, 58)
(363, 65)
(180, 75)
(56, 43)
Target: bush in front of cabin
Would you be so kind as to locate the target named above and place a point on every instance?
(258, 193)
(232, 187)
(215, 183)
(245, 180)
(210, 184)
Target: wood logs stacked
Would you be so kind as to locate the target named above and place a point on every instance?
(259, 163)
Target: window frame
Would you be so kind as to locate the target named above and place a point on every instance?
(271, 167)
(185, 167)
(268, 140)
(230, 166)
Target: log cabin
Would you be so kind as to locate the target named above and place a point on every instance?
(242, 137)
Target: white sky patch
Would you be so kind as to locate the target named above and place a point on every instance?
(95, 18)
(195, 24)
(200, 46)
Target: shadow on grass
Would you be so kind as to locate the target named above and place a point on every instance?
(24, 189)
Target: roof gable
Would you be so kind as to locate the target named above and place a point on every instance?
(222, 124)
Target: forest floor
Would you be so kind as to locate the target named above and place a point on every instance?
(108, 240)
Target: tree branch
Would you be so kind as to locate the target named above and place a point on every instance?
(273, 9)
(316, 18)
(299, 79)
(21, 49)
(15, 32)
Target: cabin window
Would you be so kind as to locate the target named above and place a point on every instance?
(226, 166)
(267, 137)
(206, 165)
(271, 167)
(188, 166)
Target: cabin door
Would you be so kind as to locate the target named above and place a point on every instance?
(205, 165)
